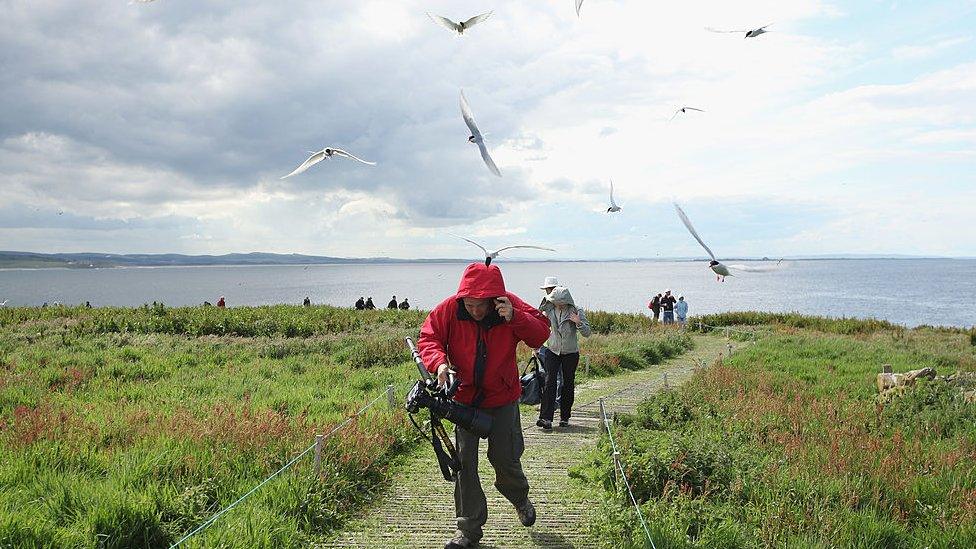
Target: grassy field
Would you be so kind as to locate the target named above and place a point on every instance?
(130, 427)
(785, 445)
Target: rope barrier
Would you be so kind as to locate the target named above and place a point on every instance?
(291, 462)
(623, 475)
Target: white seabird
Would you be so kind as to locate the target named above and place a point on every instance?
(319, 156)
(476, 137)
(459, 28)
(489, 255)
(750, 33)
(684, 110)
(720, 270)
(613, 205)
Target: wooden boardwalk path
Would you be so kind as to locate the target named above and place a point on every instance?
(418, 509)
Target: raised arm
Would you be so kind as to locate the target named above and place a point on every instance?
(528, 324)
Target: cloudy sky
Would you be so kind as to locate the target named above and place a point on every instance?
(165, 127)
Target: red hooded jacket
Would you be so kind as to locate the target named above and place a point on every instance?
(450, 336)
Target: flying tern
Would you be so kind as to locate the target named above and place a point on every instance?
(459, 27)
(476, 137)
(489, 255)
(322, 155)
(683, 110)
(720, 270)
(613, 205)
(749, 33)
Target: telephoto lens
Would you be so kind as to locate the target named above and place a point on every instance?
(465, 417)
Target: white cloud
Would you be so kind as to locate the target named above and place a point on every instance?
(191, 112)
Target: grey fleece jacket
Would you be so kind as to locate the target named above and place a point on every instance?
(563, 339)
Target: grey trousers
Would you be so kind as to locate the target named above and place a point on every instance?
(505, 447)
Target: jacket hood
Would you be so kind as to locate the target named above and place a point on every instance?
(481, 281)
(560, 296)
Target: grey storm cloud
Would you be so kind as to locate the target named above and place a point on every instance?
(122, 108)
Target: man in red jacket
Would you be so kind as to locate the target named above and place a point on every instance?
(474, 334)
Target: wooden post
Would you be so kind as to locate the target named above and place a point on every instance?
(318, 454)
(390, 397)
(665, 381)
(701, 329)
(730, 348)
(726, 332)
(586, 365)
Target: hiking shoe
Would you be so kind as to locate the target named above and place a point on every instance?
(526, 513)
(545, 424)
(459, 541)
(564, 423)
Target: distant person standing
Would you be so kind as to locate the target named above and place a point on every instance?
(667, 306)
(565, 322)
(681, 310)
(404, 305)
(360, 304)
(221, 303)
(392, 304)
(308, 302)
(655, 306)
(369, 303)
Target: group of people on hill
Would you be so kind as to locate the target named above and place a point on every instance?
(670, 307)
(473, 334)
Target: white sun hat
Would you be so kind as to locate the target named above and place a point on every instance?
(550, 282)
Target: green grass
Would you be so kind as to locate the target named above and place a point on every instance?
(130, 427)
(785, 445)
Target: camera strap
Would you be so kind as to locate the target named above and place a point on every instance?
(448, 461)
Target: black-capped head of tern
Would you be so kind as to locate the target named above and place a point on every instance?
(476, 136)
(720, 270)
(459, 28)
(319, 156)
(489, 254)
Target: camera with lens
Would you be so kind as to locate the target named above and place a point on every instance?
(426, 394)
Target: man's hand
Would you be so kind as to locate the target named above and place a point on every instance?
(442, 372)
(504, 307)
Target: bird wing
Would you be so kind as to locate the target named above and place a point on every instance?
(473, 242)
(309, 162)
(579, 4)
(476, 19)
(341, 152)
(712, 29)
(532, 247)
(673, 115)
(445, 22)
(612, 203)
(693, 109)
(691, 229)
(469, 118)
(488, 160)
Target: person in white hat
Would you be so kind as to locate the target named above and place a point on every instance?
(566, 322)
(548, 284)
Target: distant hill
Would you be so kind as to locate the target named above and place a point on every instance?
(12, 260)
(33, 260)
